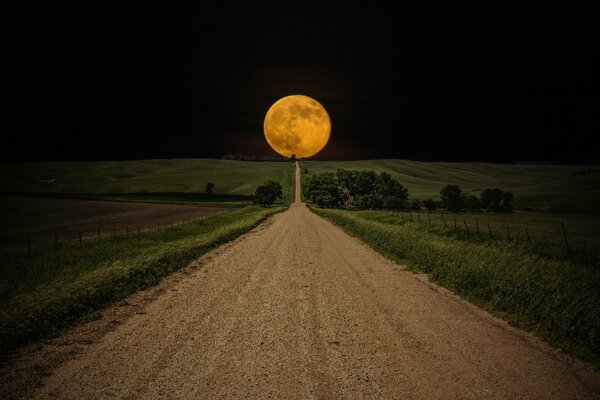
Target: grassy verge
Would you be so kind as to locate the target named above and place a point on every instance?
(51, 289)
(555, 298)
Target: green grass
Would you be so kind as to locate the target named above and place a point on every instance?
(547, 188)
(48, 291)
(155, 180)
(556, 298)
(544, 229)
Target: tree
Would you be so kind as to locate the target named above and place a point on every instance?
(452, 198)
(368, 190)
(507, 199)
(472, 203)
(358, 189)
(430, 205)
(293, 158)
(415, 205)
(266, 193)
(393, 194)
(276, 187)
(497, 200)
(210, 188)
(324, 190)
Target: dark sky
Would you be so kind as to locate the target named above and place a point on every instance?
(427, 82)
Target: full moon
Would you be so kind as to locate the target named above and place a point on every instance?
(297, 125)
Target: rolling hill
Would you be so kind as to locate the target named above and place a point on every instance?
(547, 188)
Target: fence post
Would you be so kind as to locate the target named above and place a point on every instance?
(429, 219)
(477, 225)
(466, 227)
(444, 219)
(454, 217)
(528, 237)
(565, 235)
(507, 234)
(490, 230)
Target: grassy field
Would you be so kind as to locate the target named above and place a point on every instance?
(540, 232)
(547, 188)
(181, 180)
(49, 290)
(555, 297)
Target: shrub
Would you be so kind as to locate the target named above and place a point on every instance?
(472, 203)
(210, 188)
(497, 200)
(452, 198)
(266, 193)
(430, 205)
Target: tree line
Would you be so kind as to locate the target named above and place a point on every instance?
(370, 190)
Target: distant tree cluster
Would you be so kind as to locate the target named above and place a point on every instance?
(267, 193)
(497, 200)
(369, 190)
(356, 189)
(493, 200)
(252, 157)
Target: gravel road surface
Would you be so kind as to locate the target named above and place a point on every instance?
(298, 309)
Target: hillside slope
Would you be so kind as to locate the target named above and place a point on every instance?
(549, 188)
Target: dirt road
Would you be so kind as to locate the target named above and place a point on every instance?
(299, 309)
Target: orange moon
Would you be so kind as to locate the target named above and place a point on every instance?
(297, 125)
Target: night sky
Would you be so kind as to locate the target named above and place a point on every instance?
(477, 83)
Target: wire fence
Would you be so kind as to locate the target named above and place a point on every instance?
(57, 240)
(549, 236)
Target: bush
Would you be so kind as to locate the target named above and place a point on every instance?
(415, 205)
(324, 190)
(356, 189)
(266, 193)
(452, 198)
(430, 205)
(497, 200)
(472, 203)
(210, 188)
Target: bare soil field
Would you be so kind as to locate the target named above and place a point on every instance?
(41, 218)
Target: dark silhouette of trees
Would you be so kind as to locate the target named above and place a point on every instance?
(472, 203)
(497, 200)
(210, 188)
(267, 193)
(357, 189)
(415, 205)
(452, 198)
(324, 190)
(430, 205)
